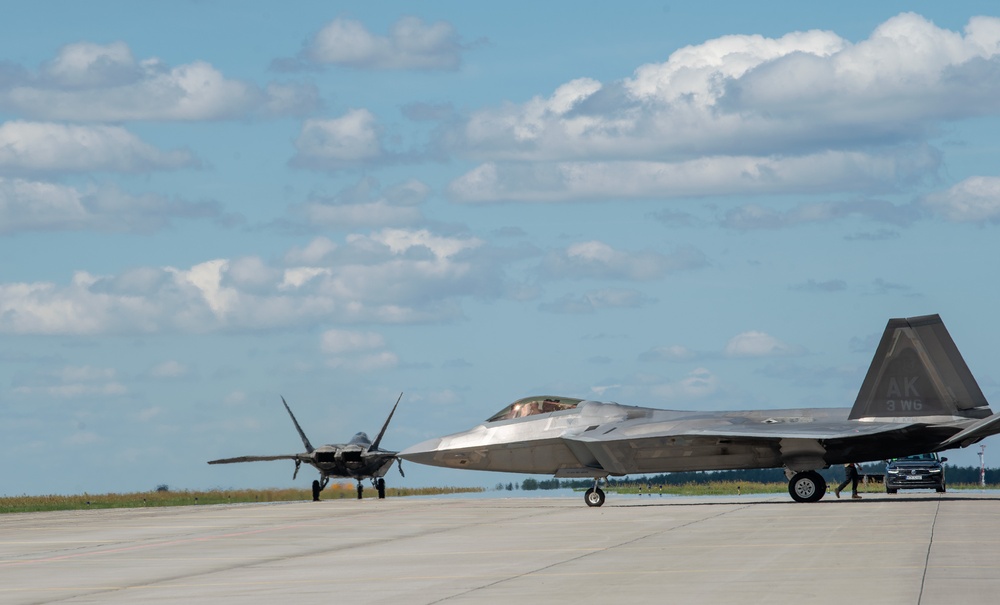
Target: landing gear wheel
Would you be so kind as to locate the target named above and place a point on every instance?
(380, 486)
(594, 496)
(316, 490)
(808, 486)
(361, 490)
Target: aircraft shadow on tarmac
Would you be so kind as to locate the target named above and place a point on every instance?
(872, 499)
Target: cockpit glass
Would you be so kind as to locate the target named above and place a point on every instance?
(529, 406)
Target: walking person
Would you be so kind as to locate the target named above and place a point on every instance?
(850, 476)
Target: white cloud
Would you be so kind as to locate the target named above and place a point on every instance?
(49, 147)
(821, 172)
(410, 44)
(338, 143)
(974, 200)
(757, 344)
(92, 82)
(314, 252)
(807, 112)
(700, 383)
(391, 276)
(595, 259)
(27, 205)
(88, 65)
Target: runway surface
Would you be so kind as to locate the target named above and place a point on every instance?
(915, 548)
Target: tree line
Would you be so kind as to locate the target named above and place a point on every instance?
(953, 474)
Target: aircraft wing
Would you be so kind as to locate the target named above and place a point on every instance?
(645, 449)
(380, 461)
(302, 457)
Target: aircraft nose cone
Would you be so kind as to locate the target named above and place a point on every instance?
(422, 453)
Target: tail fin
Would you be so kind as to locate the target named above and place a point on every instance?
(305, 440)
(378, 439)
(917, 371)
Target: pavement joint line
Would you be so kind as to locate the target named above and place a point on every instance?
(612, 547)
(927, 558)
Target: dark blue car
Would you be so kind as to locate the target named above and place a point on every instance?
(921, 471)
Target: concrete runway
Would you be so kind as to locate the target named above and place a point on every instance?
(920, 548)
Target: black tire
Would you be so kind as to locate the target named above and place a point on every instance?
(380, 486)
(316, 490)
(361, 490)
(594, 496)
(941, 489)
(808, 486)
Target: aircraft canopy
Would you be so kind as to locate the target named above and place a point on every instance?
(529, 406)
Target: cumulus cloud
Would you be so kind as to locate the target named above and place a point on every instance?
(821, 172)
(356, 351)
(106, 83)
(40, 206)
(386, 277)
(339, 143)
(411, 44)
(366, 205)
(595, 259)
(806, 112)
(757, 344)
(974, 200)
(51, 147)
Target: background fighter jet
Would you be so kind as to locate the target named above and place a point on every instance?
(918, 396)
(359, 459)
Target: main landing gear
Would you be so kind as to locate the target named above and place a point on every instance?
(379, 484)
(808, 486)
(594, 496)
(318, 487)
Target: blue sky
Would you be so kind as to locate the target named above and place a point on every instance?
(207, 205)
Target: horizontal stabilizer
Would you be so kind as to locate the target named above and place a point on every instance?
(979, 430)
(257, 458)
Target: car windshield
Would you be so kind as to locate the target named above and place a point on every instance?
(529, 406)
(919, 457)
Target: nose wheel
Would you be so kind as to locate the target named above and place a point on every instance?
(594, 496)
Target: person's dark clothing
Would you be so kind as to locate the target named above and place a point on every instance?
(851, 476)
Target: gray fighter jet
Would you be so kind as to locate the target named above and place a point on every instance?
(358, 459)
(919, 396)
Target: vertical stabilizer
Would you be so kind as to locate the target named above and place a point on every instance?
(378, 439)
(918, 371)
(305, 440)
